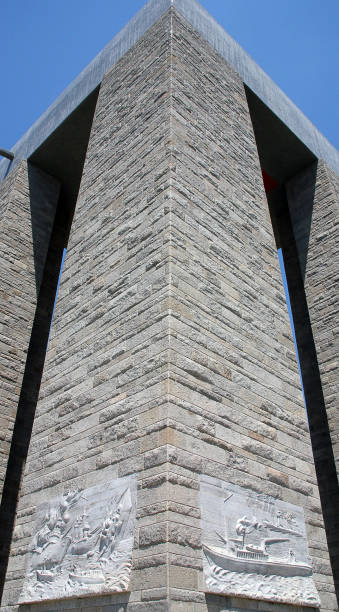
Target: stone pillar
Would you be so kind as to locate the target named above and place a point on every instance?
(313, 201)
(171, 364)
(234, 381)
(103, 399)
(28, 203)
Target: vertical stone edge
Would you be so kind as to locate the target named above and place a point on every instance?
(212, 193)
(102, 411)
(313, 201)
(28, 204)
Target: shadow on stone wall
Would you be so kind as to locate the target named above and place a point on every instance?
(293, 227)
(42, 189)
(61, 155)
(47, 264)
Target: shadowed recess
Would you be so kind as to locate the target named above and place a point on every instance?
(62, 155)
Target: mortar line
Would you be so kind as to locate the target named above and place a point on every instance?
(169, 246)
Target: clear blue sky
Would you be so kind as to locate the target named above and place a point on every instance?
(46, 43)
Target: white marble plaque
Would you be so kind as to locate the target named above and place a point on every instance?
(254, 546)
(82, 543)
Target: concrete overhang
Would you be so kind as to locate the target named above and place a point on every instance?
(252, 75)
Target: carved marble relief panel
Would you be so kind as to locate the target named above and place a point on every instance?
(254, 545)
(82, 543)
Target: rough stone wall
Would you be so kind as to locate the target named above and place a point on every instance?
(319, 249)
(313, 199)
(106, 375)
(28, 200)
(171, 353)
(236, 407)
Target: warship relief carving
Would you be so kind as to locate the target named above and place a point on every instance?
(254, 546)
(82, 544)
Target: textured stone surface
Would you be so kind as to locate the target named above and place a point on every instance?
(313, 200)
(317, 242)
(28, 200)
(171, 354)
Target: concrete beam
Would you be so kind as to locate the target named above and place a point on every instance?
(253, 76)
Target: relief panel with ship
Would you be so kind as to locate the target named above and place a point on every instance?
(254, 546)
(82, 543)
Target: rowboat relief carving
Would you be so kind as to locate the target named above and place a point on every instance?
(82, 543)
(254, 546)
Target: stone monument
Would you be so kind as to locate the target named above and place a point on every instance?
(157, 456)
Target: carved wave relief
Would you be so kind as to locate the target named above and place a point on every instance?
(82, 543)
(254, 546)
